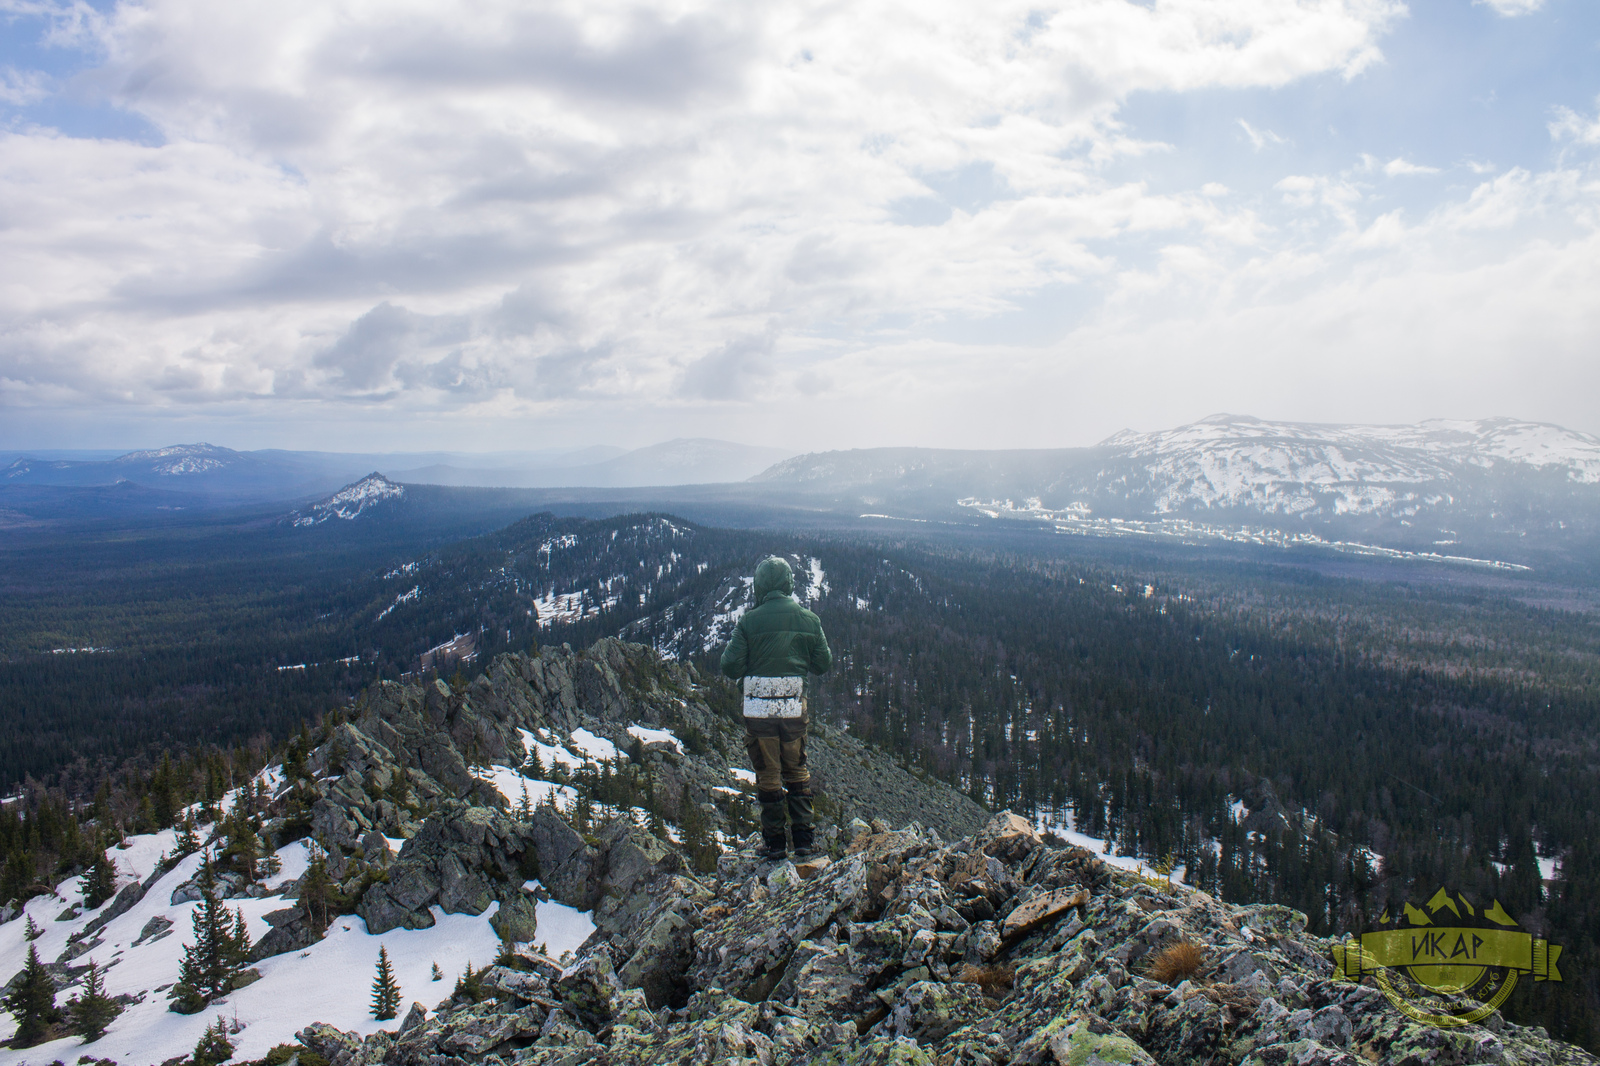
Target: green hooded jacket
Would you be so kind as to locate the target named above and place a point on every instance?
(777, 637)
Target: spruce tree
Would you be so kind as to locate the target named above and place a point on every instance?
(438, 974)
(32, 932)
(220, 949)
(187, 841)
(92, 1010)
(582, 811)
(385, 990)
(100, 884)
(239, 942)
(33, 1002)
(314, 893)
(697, 843)
(469, 985)
(214, 1046)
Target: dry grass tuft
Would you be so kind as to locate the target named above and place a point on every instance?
(1175, 962)
(995, 981)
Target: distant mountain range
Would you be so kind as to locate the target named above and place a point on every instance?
(1484, 492)
(205, 474)
(1429, 488)
(685, 461)
(203, 470)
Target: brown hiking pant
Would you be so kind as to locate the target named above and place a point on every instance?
(777, 748)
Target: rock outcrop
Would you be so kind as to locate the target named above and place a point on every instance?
(901, 949)
(398, 796)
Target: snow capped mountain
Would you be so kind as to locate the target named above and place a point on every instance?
(1290, 469)
(181, 459)
(1421, 487)
(203, 472)
(351, 501)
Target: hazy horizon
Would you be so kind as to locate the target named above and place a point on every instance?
(535, 455)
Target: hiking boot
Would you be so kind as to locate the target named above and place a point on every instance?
(804, 842)
(775, 849)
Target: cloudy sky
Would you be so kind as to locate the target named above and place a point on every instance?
(499, 224)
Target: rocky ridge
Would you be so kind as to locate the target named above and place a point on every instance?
(1001, 948)
(413, 798)
(958, 939)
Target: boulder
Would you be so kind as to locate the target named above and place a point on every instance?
(516, 920)
(128, 895)
(1007, 837)
(929, 1011)
(568, 866)
(660, 961)
(1040, 911)
(747, 942)
(329, 1042)
(156, 928)
(292, 930)
(1091, 1041)
(636, 868)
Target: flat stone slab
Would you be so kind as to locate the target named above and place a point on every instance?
(812, 867)
(1041, 911)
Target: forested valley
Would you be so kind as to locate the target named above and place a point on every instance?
(1334, 744)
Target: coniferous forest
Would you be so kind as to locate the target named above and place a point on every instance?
(1336, 741)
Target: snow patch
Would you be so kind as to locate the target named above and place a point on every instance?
(594, 747)
(655, 736)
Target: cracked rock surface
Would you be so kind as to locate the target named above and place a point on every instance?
(999, 948)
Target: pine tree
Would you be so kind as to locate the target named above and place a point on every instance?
(697, 843)
(438, 974)
(533, 767)
(220, 949)
(33, 1002)
(100, 884)
(187, 841)
(582, 811)
(314, 893)
(246, 851)
(239, 942)
(385, 991)
(92, 1010)
(524, 807)
(469, 985)
(214, 1046)
(32, 932)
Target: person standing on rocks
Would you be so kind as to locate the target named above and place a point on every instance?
(775, 644)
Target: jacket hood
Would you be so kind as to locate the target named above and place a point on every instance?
(773, 575)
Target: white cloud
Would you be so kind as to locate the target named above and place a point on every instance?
(1568, 124)
(528, 207)
(1398, 167)
(18, 87)
(1513, 8)
(1260, 138)
(647, 209)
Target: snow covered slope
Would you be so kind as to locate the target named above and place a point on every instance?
(1290, 468)
(351, 501)
(331, 978)
(1494, 483)
(445, 816)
